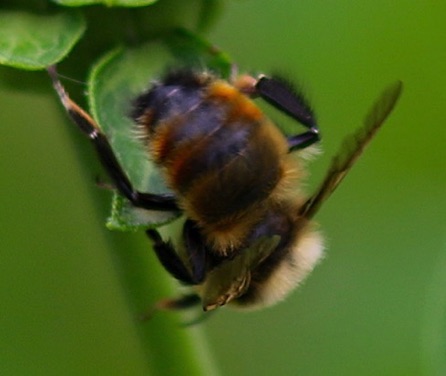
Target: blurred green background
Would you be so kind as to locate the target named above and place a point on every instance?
(377, 303)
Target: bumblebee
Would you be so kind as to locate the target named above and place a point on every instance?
(248, 238)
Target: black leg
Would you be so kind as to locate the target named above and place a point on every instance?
(106, 155)
(182, 302)
(303, 140)
(170, 260)
(282, 96)
(175, 304)
(196, 250)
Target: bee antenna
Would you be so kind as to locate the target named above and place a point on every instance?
(54, 74)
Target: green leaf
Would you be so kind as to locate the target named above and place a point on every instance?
(115, 81)
(111, 91)
(192, 50)
(35, 41)
(209, 13)
(110, 3)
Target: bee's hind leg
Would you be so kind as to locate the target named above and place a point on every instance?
(282, 95)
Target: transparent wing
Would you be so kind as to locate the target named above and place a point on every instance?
(353, 146)
(231, 279)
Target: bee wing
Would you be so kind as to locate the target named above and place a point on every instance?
(232, 278)
(352, 148)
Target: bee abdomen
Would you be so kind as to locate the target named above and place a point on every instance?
(245, 180)
(218, 151)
